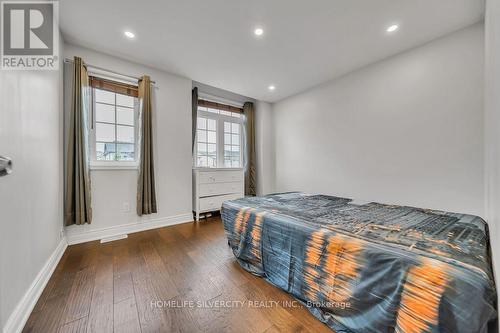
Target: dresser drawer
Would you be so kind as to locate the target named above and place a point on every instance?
(215, 203)
(211, 187)
(220, 188)
(209, 177)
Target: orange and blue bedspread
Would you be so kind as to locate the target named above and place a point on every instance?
(369, 267)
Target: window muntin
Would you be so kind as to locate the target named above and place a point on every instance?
(114, 126)
(218, 138)
(207, 143)
(232, 145)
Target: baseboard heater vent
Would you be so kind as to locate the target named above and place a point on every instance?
(113, 238)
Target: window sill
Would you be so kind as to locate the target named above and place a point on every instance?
(114, 166)
(216, 169)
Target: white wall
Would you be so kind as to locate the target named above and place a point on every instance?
(264, 141)
(173, 161)
(31, 197)
(492, 126)
(406, 130)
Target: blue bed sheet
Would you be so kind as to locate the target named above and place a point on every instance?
(369, 267)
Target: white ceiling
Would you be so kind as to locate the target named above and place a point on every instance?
(305, 43)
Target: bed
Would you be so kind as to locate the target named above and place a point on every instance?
(368, 267)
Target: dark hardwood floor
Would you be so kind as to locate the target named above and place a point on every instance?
(182, 278)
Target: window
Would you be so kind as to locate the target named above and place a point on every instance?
(218, 136)
(115, 126)
(232, 144)
(207, 142)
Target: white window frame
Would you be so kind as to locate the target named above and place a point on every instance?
(219, 121)
(113, 165)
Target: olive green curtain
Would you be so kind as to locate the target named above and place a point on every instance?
(194, 113)
(146, 193)
(250, 156)
(77, 202)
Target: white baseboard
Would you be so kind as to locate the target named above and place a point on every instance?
(15, 323)
(76, 237)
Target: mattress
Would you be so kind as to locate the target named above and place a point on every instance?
(368, 267)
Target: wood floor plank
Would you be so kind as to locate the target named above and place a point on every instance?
(165, 289)
(51, 318)
(180, 318)
(80, 296)
(126, 319)
(101, 307)
(121, 257)
(52, 315)
(123, 287)
(188, 268)
(272, 329)
(228, 274)
(276, 311)
(151, 319)
(77, 326)
(229, 313)
(122, 271)
(63, 281)
(51, 285)
(190, 279)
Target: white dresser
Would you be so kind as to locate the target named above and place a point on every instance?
(211, 187)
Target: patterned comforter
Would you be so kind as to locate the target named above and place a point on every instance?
(369, 267)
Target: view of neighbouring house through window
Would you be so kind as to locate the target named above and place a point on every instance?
(115, 121)
(232, 144)
(218, 138)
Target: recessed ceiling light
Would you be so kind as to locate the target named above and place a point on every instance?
(258, 32)
(129, 34)
(271, 87)
(392, 28)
